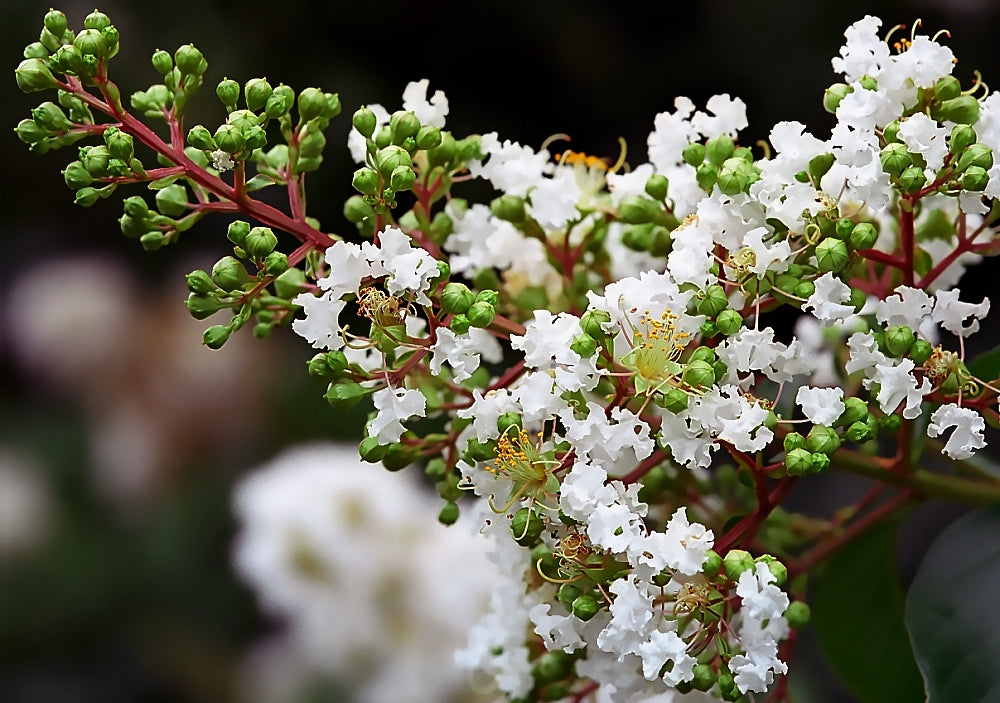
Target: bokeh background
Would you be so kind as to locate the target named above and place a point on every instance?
(122, 437)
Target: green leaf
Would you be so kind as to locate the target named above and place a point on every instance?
(986, 366)
(953, 623)
(922, 262)
(857, 609)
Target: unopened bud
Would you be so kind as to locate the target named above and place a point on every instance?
(962, 137)
(964, 110)
(481, 314)
(191, 61)
(456, 298)
(509, 208)
(834, 94)
(863, 236)
(736, 562)
(33, 76)
(260, 242)
(831, 255)
(822, 439)
(364, 121)
(257, 92)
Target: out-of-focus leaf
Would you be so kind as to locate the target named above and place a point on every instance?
(954, 625)
(987, 365)
(857, 608)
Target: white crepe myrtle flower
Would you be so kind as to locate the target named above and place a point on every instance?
(486, 409)
(321, 324)
(967, 430)
(682, 547)
(821, 405)
(622, 185)
(663, 647)
(925, 136)
(865, 52)
(828, 298)
(865, 355)
(729, 116)
(553, 200)
(583, 490)
(896, 385)
(410, 268)
(951, 313)
(907, 306)
(430, 112)
(762, 599)
(510, 167)
(394, 405)
(463, 352)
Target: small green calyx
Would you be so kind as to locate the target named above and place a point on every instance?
(736, 562)
(190, 61)
(257, 92)
(456, 298)
(32, 76)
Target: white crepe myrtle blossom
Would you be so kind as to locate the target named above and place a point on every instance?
(821, 405)
(393, 405)
(966, 427)
(827, 302)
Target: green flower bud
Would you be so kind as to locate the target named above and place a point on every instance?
(736, 562)
(51, 117)
(706, 175)
(456, 298)
(275, 263)
(229, 138)
(215, 336)
(364, 121)
(662, 240)
(332, 107)
(568, 592)
(388, 158)
(311, 142)
(32, 76)
(228, 91)
(729, 322)
(36, 50)
(675, 400)
(488, 296)
(964, 110)
(429, 137)
(895, 159)
(260, 242)
(229, 274)
(736, 176)
(831, 255)
(526, 527)
(237, 232)
(834, 94)
(719, 149)
(95, 159)
(95, 20)
(403, 124)
(798, 462)
(868, 83)
(793, 441)
(657, 187)
(976, 155)
(777, 569)
(509, 208)
(712, 301)
(703, 677)
(899, 339)
(91, 42)
(436, 469)
(111, 36)
(693, 155)
(855, 410)
(172, 200)
(975, 178)
(638, 237)
(201, 307)
(820, 461)
(822, 439)
(858, 299)
(585, 607)
(279, 102)
(77, 176)
(480, 314)
(595, 322)
(921, 351)
(356, 210)
(30, 132)
(947, 88)
(200, 282)
(257, 92)
(448, 514)
(371, 451)
(136, 207)
(712, 564)
(912, 179)
(699, 373)
(459, 324)
(707, 328)
(119, 144)
(798, 614)
(636, 209)
(859, 432)
(312, 103)
(891, 423)
(402, 178)
(552, 666)
(163, 62)
(55, 22)
(200, 138)
(584, 345)
(365, 181)
(864, 236)
(190, 61)
(962, 137)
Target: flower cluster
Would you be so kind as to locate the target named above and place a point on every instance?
(591, 353)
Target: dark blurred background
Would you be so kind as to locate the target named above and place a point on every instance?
(123, 435)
